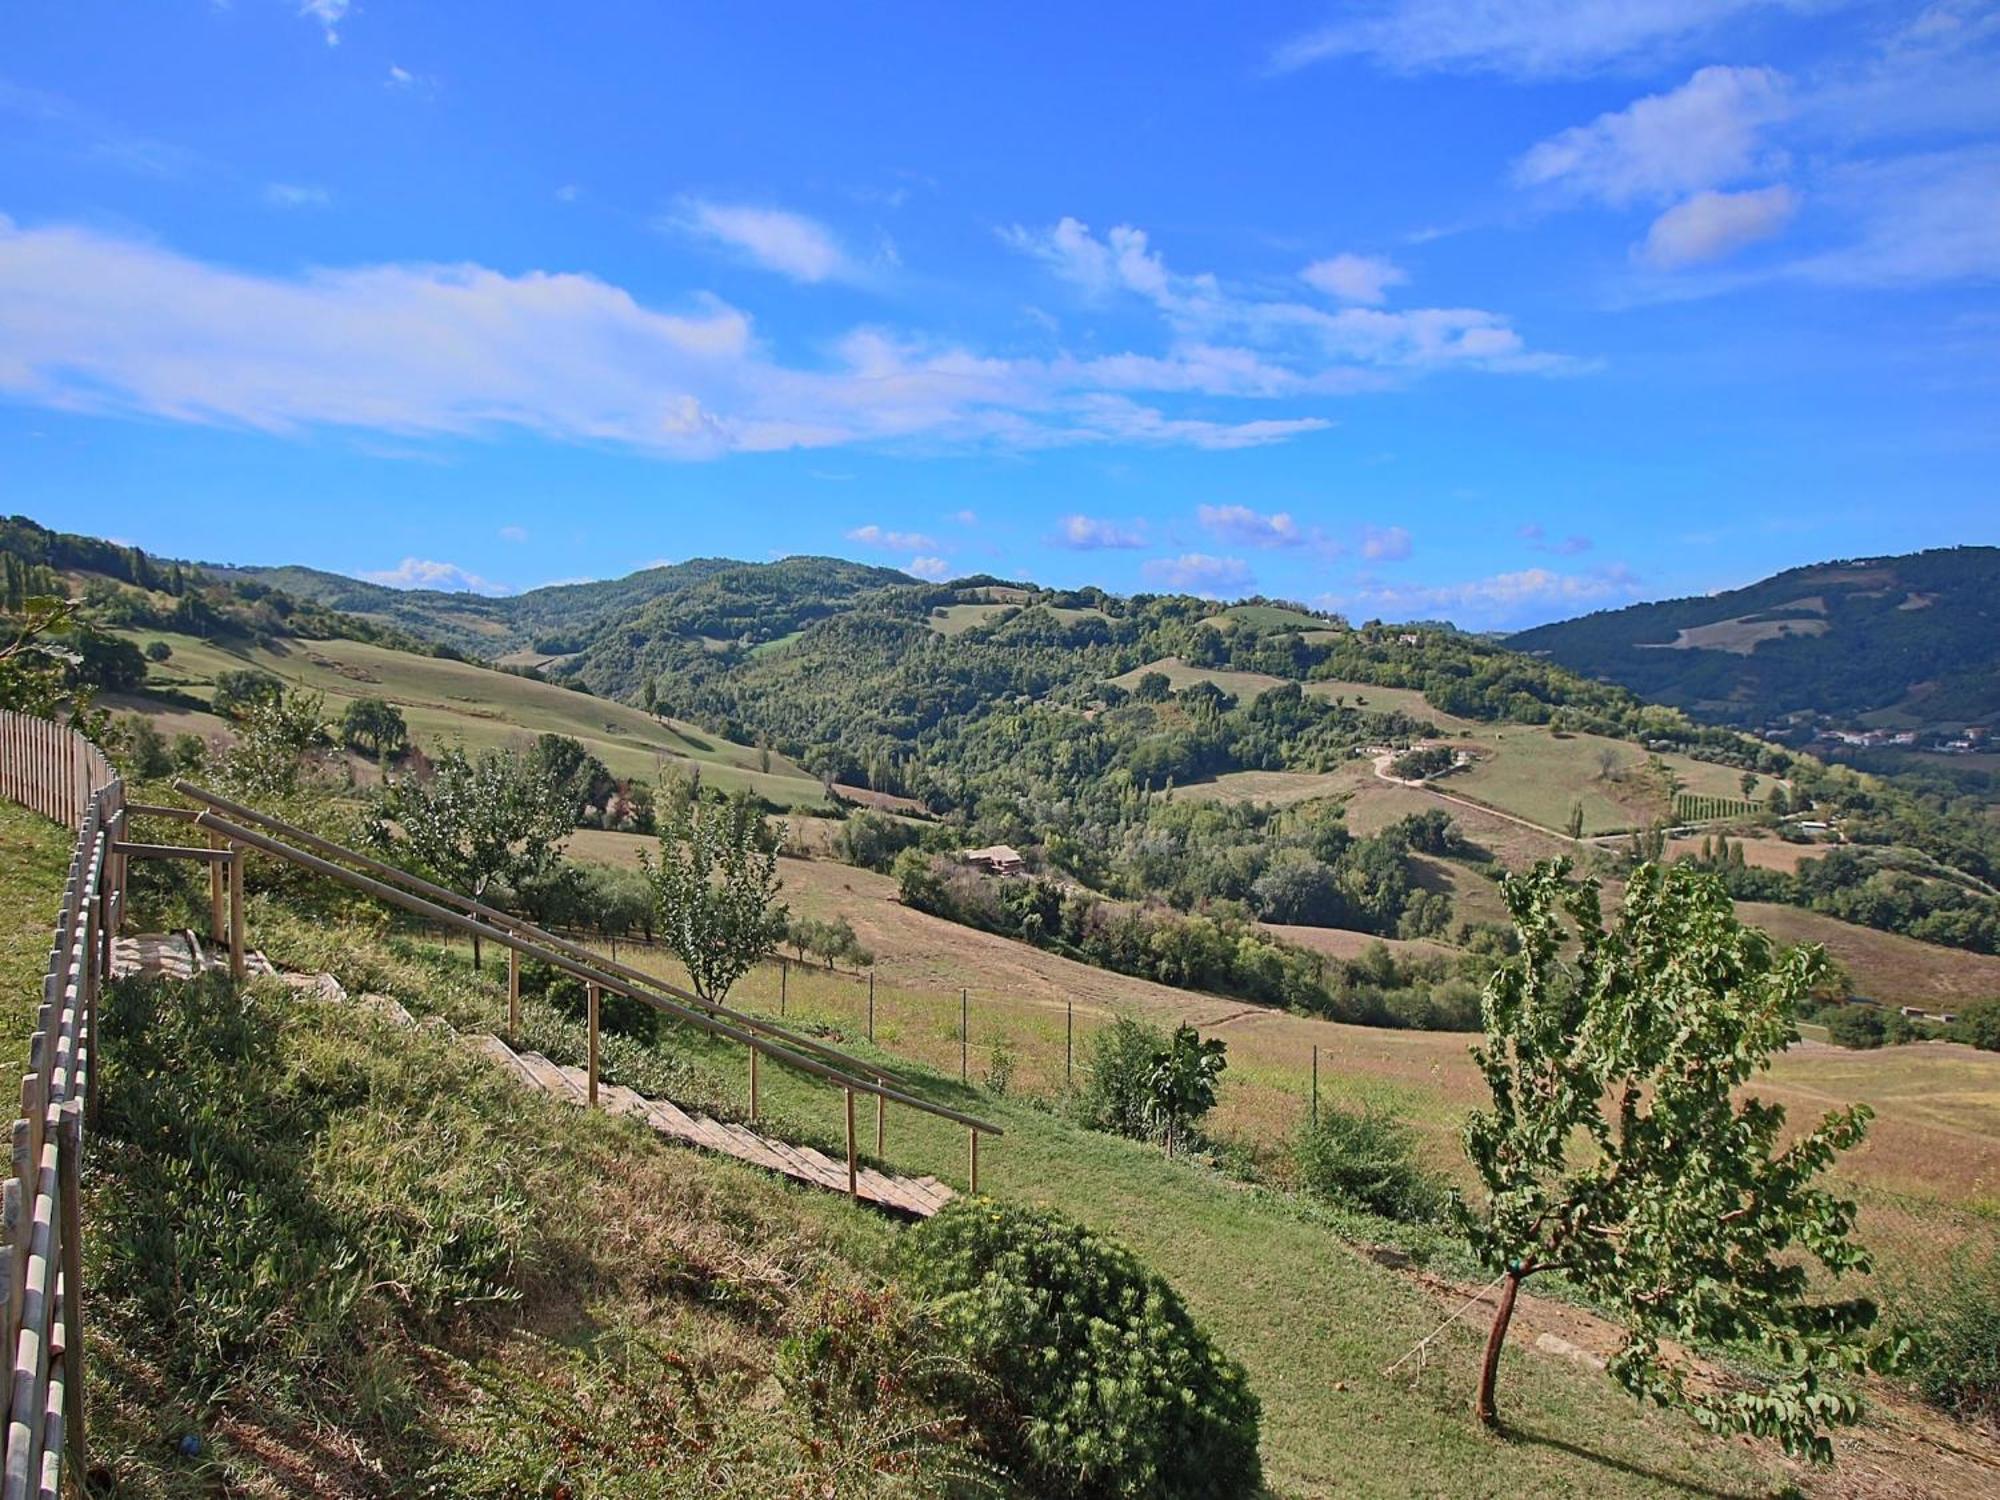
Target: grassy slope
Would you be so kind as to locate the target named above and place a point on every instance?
(445, 701)
(34, 863)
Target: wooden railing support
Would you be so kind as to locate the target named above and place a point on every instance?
(513, 995)
(974, 1173)
(881, 1123)
(217, 931)
(239, 965)
(753, 1085)
(853, 1175)
(593, 994)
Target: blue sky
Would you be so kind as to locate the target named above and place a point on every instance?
(1418, 308)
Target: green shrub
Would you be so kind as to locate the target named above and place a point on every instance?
(1095, 1381)
(1367, 1158)
(1957, 1363)
(1117, 1078)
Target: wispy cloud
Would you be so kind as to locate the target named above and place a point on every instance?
(1385, 543)
(933, 568)
(1091, 533)
(790, 244)
(1520, 38)
(1711, 226)
(295, 195)
(1707, 132)
(513, 533)
(1355, 278)
(1538, 538)
(329, 14)
(893, 541)
(95, 321)
(423, 573)
(1497, 598)
(1199, 573)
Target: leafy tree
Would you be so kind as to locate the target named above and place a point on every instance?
(584, 779)
(374, 725)
(273, 737)
(476, 823)
(34, 668)
(1152, 687)
(159, 651)
(144, 752)
(1685, 1217)
(715, 889)
(1575, 820)
(190, 752)
(1183, 1084)
(240, 689)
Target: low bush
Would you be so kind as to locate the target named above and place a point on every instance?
(1957, 1355)
(1367, 1158)
(1092, 1378)
(1117, 1079)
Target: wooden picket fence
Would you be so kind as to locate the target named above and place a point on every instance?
(60, 774)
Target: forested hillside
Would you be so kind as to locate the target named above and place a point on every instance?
(1915, 638)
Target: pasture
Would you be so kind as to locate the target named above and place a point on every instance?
(446, 702)
(1243, 686)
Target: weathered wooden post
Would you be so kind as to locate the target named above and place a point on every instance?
(1069, 1037)
(215, 877)
(238, 960)
(784, 982)
(871, 1005)
(975, 1158)
(881, 1113)
(69, 1192)
(590, 1078)
(853, 1175)
(964, 1037)
(753, 1081)
(1315, 1085)
(513, 994)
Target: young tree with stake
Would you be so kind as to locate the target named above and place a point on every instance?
(715, 887)
(1617, 1153)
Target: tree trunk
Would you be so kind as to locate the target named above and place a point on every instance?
(1489, 1371)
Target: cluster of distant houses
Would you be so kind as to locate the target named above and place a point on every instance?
(1971, 740)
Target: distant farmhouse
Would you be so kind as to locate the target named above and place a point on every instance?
(1000, 859)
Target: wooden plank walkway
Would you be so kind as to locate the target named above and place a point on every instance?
(180, 955)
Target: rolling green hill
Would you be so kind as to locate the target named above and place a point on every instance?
(1914, 639)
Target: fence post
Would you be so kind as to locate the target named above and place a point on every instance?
(69, 1195)
(881, 1114)
(513, 994)
(753, 1082)
(964, 1041)
(1069, 1036)
(975, 1158)
(591, 995)
(871, 1005)
(853, 1178)
(216, 930)
(1315, 1084)
(238, 958)
(784, 983)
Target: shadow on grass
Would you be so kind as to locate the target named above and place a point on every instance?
(1514, 1433)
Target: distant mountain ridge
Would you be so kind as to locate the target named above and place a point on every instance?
(1907, 641)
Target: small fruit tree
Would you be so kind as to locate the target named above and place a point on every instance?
(1618, 1153)
(715, 887)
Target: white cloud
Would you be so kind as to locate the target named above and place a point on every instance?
(1711, 225)
(965, 517)
(295, 195)
(893, 541)
(91, 321)
(1252, 528)
(1521, 38)
(513, 533)
(422, 573)
(933, 568)
(329, 14)
(1704, 133)
(1385, 543)
(1918, 219)
(1538, 538)
(1355, 278)
(1197, 572)
(1226, 342)
(1500, 597)
(1090, 534)
(788, 243)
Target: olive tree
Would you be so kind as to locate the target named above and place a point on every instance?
(715, 887)
(1618, 1153)
(477, 823)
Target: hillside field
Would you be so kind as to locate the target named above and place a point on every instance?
(447, 702)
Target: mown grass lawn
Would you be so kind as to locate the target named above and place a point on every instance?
(34, 863)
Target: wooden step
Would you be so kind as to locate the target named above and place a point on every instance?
(549, 1078)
